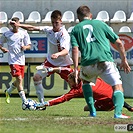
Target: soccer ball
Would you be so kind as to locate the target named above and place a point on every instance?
(29, 105)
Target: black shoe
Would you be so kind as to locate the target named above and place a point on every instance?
(130, 109)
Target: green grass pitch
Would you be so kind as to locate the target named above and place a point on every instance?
(67, 117)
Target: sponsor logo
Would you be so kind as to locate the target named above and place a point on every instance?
(128, 45)
(127, 42)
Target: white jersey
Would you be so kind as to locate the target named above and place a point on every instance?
(14, 42)
(57, 42)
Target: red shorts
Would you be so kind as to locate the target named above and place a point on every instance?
(63, 74)
(17, 70)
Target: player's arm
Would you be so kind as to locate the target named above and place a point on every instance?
(2, 41)
(64, 98)
(27, 42)
(75, 61)
(4, 50)
(75, 57)
(26, 26)
(26, 47)
(75, 54)
(61, 53)
(124, 64)
(64, 43)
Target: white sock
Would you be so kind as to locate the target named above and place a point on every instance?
(22, 96)
(11, 88)
(39, 92)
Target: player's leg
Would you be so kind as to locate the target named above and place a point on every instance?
(19, 84)
(41, 73)
(44, 70)
(17, 71)
(88, 94)
(37, 78)
(62, 71)
(107, 105)
(128, 107)
(9, 91)
(112, 77)
(118, 99)
(89, 73)
(12, 86)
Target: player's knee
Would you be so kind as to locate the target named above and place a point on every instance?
(37, 78)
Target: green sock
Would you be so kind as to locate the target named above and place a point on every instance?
(88, 94)
(118, 100)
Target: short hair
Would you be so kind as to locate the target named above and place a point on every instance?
(16, 19)
(56, 14)
(83, 11)
(71, 75)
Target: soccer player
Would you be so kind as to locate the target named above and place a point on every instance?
(17, 41)
(92, 38)
(58, 54)
(102, 94)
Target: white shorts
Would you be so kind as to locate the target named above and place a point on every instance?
(106, 70)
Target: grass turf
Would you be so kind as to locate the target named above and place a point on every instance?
(68, 117)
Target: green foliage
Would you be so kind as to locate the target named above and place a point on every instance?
(67, 117)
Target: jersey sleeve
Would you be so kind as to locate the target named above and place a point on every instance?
(27, 40)
(64, 40)
(45, 28)
(73, 39)
(110, 34)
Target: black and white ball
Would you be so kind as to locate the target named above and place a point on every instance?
(29, 105)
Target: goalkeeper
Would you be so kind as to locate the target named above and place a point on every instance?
(102, 94)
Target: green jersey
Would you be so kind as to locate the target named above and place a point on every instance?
(93, 38)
